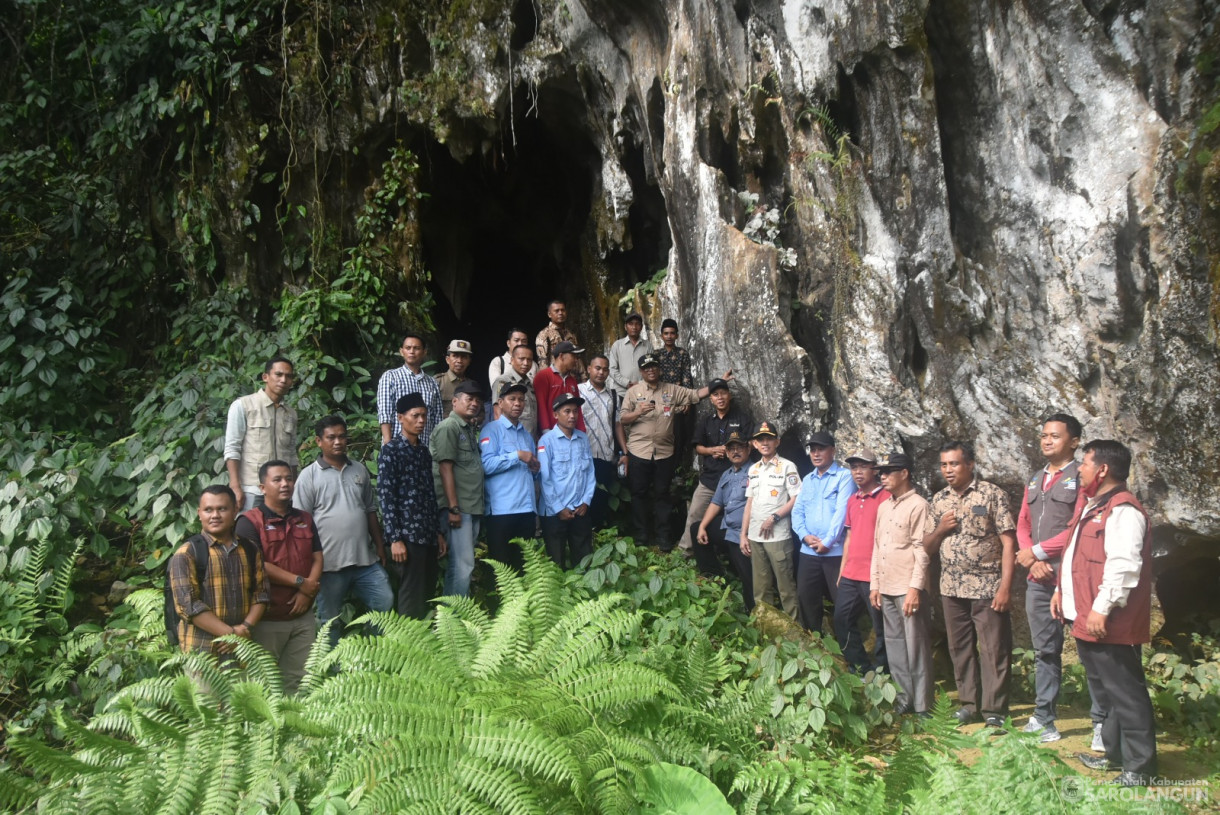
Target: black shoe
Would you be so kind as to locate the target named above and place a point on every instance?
(1093, 762)
(666, 549)
(965, 716)
(924, 714)
(1129, 779)
(902, 709)
(995, 721)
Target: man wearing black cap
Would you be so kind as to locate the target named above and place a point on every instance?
(408, 510)
(566, 469)
(510, 469)
(625, 355)
(648, 420)
(711, 434)
(898, 585)
(724, 538)
(562, 376)
(818, 519)
(853, 598)
(457, 478)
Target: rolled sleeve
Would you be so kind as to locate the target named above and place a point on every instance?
(263, 595)
(184, 585)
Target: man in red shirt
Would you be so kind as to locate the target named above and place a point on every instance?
(853, 600)
(561, 376)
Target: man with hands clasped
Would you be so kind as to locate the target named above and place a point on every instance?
(292, 557)
(408, 510)
(568, 482)
(972, 529)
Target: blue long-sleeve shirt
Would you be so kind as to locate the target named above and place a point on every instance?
(821, 509)
(566, 471)
(730, 495)
(507, 479)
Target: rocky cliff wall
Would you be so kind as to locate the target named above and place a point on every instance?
(981, 215)
(902, 220)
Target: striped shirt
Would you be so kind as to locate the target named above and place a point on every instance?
(225, 591)
(398, 382)
(600, 410)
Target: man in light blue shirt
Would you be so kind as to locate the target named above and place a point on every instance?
(818, 520)
(568, 482)
(509, 469)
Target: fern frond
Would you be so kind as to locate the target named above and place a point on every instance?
(57, 594)
(510, 585)
(545, 589)
(502, 639)
(17, 792)
(46, 760)
(91, 741)
(149, 604)
(502, 790)
(522, 747)
(608, 687)
(584, 632)
(258, 663)
(255, 702)
(317, 665)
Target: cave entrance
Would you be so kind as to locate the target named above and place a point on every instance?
(508, 228)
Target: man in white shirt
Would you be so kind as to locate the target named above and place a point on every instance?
(1105, 592)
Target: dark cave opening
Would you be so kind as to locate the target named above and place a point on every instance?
(507, 228)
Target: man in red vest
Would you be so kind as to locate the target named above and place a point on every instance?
(1105, 593)
(293, 557)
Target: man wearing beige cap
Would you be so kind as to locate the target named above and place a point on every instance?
(853, 597)
(458, 359)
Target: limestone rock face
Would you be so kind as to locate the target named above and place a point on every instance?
(916, 221)
(905, 221)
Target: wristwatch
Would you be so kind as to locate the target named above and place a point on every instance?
(774, 517)
(455, 510)
(300, 581)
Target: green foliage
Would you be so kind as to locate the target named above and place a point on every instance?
(1073, 687)
(1186, 692)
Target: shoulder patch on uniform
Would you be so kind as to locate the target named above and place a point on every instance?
(485, 440)
(793, 480)
(541, 448)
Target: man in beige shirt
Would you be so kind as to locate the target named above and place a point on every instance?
(898, 585)
(647, 417)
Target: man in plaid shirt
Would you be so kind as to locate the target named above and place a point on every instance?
(229, 594)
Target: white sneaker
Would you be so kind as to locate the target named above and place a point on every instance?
(1049, 731)
(1097, 746)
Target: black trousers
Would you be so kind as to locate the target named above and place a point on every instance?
(649, 480)
(415, 581)
(816, 579)
(573, 537)
(852, 604)
(500, 529)
(1128, 729)
(606, 474)
(710, 559)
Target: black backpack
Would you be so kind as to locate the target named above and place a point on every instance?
(199, 554)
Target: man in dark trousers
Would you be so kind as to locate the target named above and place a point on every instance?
(1052, 498)
(853, 600)
(713, 540)
(711, 432)
(1105, 593)
(408, 510)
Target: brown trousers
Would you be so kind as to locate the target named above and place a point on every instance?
(980, 643)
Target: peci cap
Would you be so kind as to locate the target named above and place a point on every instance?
(864, 455)
(468, 386)
(460, 347)
(635, 315)
(735, 437)
(566, 399)
(821, 439)
(895, 461)
(647, 360)
(565, 347)
(512, 387)
(409, 402)
(764, 428)
(717, 384)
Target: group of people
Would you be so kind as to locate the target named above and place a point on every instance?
(527, 463)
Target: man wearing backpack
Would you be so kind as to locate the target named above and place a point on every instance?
(217, 580)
